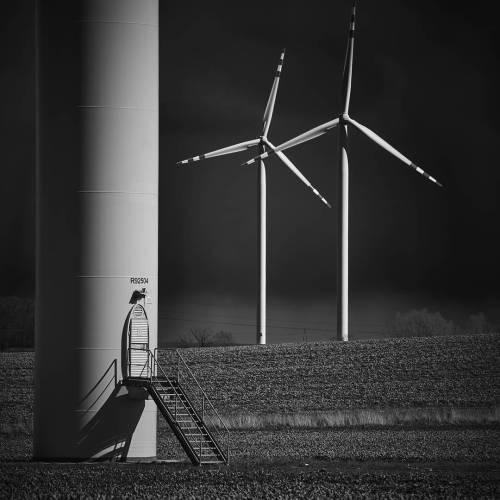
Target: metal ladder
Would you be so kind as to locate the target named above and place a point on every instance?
(186, 408)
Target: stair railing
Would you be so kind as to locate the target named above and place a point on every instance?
(211, 418)
(155, 365)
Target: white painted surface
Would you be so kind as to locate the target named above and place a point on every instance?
(262, 300)
(97, 222)
(343, 239)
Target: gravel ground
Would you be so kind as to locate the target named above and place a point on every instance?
(455, 371)
(317, 480)
(394, 462)
(399, 444)
(430, 372)
(286, 463)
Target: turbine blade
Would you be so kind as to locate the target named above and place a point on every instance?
(242, 146)
(268, 113)
(347, 74)
(306, 136)
(297, 172)
(384, 144)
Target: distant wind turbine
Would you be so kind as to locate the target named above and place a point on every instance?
(343, 175)
(262, 142)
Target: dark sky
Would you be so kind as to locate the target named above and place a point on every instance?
(425, 78)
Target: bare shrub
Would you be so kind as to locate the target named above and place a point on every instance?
(420, 323)
(477, 323)
(201, 336)
(17, 322)
(223, 338)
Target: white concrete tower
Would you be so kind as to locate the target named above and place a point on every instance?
(97, 223)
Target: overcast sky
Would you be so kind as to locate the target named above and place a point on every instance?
(425, 78)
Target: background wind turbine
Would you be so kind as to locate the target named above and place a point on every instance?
(262, 142)
(343, 176)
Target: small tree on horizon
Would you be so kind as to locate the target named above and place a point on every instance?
(17, 323)
(201, 336)
(223, 338)
(205, 337)
(477, 323)
(420, 323)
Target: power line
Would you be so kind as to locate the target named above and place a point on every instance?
(192, 314)
(200, 320)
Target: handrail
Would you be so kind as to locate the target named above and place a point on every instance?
(157, 364)
(199, 386)
(210, 416)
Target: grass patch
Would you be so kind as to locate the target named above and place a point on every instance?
(366, 417)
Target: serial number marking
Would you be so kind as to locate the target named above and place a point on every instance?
(139, 281)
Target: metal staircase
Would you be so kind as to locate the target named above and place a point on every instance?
(185, 406)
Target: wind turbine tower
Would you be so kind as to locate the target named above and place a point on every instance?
(343, 176)
(264, 145)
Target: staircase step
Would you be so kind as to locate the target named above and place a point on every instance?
(196, 446)
(173, 402)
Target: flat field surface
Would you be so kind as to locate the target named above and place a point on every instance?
(408, 373)
(455, 371)
(293, 463)
(293, 480)
(370, 462)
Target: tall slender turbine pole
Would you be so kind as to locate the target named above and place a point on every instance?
(262, 216)
(342, 123)
(343, 190)
(263, 143)
(343, 237)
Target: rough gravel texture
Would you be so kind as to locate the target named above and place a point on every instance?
(295, 463)
(280, 482)
(480, 444)
(431, 372)
(458, 371)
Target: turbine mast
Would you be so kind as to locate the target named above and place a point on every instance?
(262, 246)
(343, 237)
(343, 192)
